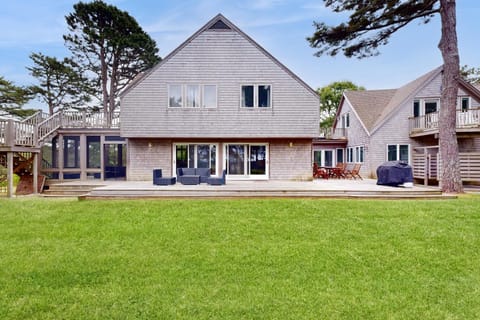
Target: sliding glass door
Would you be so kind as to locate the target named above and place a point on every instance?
(196, 156)
(247, 160)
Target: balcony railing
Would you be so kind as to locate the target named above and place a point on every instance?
(31, 131)
(334, 133)
(429, 122)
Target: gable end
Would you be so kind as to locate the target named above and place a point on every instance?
(219, 25)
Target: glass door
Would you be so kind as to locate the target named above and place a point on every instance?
(195, 156)
(247, 160)
(236, 162)
(115, 161)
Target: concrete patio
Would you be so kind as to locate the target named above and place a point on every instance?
(332, 188)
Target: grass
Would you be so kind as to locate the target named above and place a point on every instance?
(239, 259)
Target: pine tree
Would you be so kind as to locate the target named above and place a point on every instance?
(371, 24)
(110, 45)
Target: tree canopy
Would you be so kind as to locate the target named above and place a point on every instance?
(13, 97)
(111, 46)
(370, 25)
(61, 84)
(330, 96)
(471, 74)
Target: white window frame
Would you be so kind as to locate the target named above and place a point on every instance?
(256, 99)
(422, 105)
(350, 154)
(200, 96)
(182, 102)
(360, 154)
(195, 155)
(460, 103)
(195, 102)
(203, 96)
(398, 151)
(345, 120)
(247, 175)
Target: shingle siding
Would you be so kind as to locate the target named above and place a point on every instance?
(144, 155)
(291, 162)
(228, 60)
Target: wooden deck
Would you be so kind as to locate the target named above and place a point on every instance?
(243, 189)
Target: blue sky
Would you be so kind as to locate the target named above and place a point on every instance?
(280, 26)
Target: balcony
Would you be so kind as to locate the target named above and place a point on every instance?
(467, 121)
(334, 133)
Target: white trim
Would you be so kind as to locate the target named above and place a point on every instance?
(200, 95)
(174, 155)
(247, 175)
(255, 95)
(398, 151)
(181, 95)
(203, 96)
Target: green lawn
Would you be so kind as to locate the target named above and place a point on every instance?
(240, 259)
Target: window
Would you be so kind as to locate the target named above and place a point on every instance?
(359, 154)
(340, 156)
(416, 108)
(264, 96)
(71, 152)
(355, 154)
(247, 96)
(465, 104)
(210, 96)
(93, 152)
(346, 120)
(398, 152)
(192, 96)
(256, 96)
(175, 96)
(431, 106)
(350, 155)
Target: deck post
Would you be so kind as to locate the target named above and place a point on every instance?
(10, 174)
(35, 173)
(426, 165)
(10, 133)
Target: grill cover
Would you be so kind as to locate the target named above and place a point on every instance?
(394, 173)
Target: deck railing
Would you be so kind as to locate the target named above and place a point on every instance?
(429, 122)
(32, 130)
(334, 133)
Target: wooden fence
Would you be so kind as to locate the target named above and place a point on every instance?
(427, 165)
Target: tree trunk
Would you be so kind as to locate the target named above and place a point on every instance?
(104, 80)
(113, 86)
(450, 164)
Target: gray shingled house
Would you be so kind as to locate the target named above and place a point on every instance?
(220, 101)
(375, 126)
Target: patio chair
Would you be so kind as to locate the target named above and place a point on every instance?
(319, 172)
(217, 181)
(339, 170)
(355, 171)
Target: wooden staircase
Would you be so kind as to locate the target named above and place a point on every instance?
(54, 190)
(22, 167)
(25, 138)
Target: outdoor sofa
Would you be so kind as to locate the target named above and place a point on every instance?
(193, 175)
